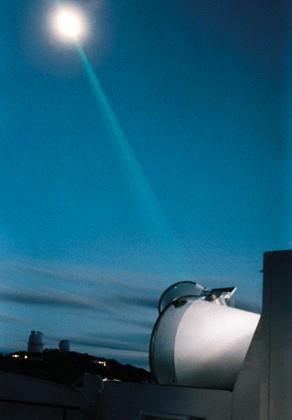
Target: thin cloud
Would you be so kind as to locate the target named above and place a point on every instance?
(59, 299)
(135, 341)
(141, 301)
(132, 337)
(63, 299)
(92, 275)
(50, 298)
(110, 344)
(144, 324)
(12, 319)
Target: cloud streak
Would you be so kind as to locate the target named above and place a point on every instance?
(12, 319)
(50, 298)
(109, 344)
(83, 274)
(53, 299)
(141, 301)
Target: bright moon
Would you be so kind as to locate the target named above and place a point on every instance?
(69, 23)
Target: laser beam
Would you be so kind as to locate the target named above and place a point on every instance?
(148, 203)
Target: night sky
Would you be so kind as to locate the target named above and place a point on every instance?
(89, 239)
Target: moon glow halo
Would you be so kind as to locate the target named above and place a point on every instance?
(69, 23)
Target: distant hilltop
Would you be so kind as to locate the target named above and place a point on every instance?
(68, 367)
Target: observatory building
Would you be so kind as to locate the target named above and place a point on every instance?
(35, 342)
(64, 346)
(211, 360)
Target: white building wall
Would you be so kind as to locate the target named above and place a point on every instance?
(124, 401)
(278, 273)
(27, 398)
(264, 387)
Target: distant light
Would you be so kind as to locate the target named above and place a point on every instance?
(26, 356)
(69, 23)
(15, 356)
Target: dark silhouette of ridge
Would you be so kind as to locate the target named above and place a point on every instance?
(69, 367)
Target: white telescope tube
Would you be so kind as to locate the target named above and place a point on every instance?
(200, 344)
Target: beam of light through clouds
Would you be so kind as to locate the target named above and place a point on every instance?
(70, 24)
(146, 200)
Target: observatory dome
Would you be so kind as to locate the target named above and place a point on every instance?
(64, 345)
(35, 342)
(199, 340)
